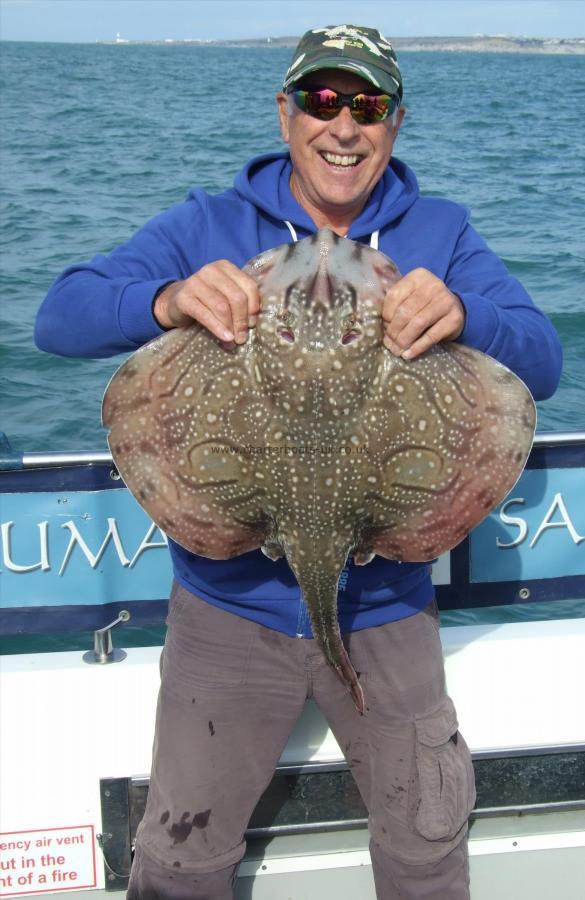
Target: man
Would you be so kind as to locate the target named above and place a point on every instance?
(234, 675)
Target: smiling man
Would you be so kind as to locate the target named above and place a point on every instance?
(235, 675)
(337, 158)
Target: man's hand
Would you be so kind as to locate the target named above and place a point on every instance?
(219, 296)
(418, 312)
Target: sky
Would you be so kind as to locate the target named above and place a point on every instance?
(91, 20)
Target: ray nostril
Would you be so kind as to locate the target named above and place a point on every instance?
(350, 336)
(286, 334)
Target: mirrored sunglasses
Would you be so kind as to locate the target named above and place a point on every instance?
(365, 109)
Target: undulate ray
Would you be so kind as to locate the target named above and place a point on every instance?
(311, 440)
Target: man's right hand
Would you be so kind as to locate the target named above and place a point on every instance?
(219, 296)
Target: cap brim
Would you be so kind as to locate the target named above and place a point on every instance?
(377, 77)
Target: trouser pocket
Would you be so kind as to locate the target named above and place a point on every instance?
(445, 774)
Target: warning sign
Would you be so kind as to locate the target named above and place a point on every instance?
(52, 859)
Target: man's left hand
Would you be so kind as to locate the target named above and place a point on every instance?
(418, 312)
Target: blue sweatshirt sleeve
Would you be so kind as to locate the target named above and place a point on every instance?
(104, 306)
(501, 319)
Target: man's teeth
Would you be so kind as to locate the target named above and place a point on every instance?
(337, 160)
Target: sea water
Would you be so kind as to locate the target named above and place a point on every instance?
(96, 139)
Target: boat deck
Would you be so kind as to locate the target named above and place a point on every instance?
(511, 858)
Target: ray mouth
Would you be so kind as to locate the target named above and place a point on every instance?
(341, 160)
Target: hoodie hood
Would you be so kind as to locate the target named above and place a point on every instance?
(265, 182)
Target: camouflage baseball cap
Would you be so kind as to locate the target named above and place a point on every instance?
(353, 48)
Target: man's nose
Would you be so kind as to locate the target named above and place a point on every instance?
(343, 126)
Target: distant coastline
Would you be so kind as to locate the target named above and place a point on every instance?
(475, 44)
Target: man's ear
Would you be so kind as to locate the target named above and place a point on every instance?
(282, 101)
(400, 113)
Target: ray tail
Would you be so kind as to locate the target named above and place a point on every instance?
(318, 577)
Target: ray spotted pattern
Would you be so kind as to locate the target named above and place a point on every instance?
(312, 440)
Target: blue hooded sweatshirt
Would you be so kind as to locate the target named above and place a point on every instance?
(104, 307)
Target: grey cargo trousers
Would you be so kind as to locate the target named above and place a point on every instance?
(231, 692)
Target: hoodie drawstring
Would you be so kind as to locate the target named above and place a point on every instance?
(293, 233)
(373, 239)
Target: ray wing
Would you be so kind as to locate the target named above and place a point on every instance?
(181, 412)
(447, 436)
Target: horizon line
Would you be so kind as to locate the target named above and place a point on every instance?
(270, 38)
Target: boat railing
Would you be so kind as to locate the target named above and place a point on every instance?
(38, 460)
